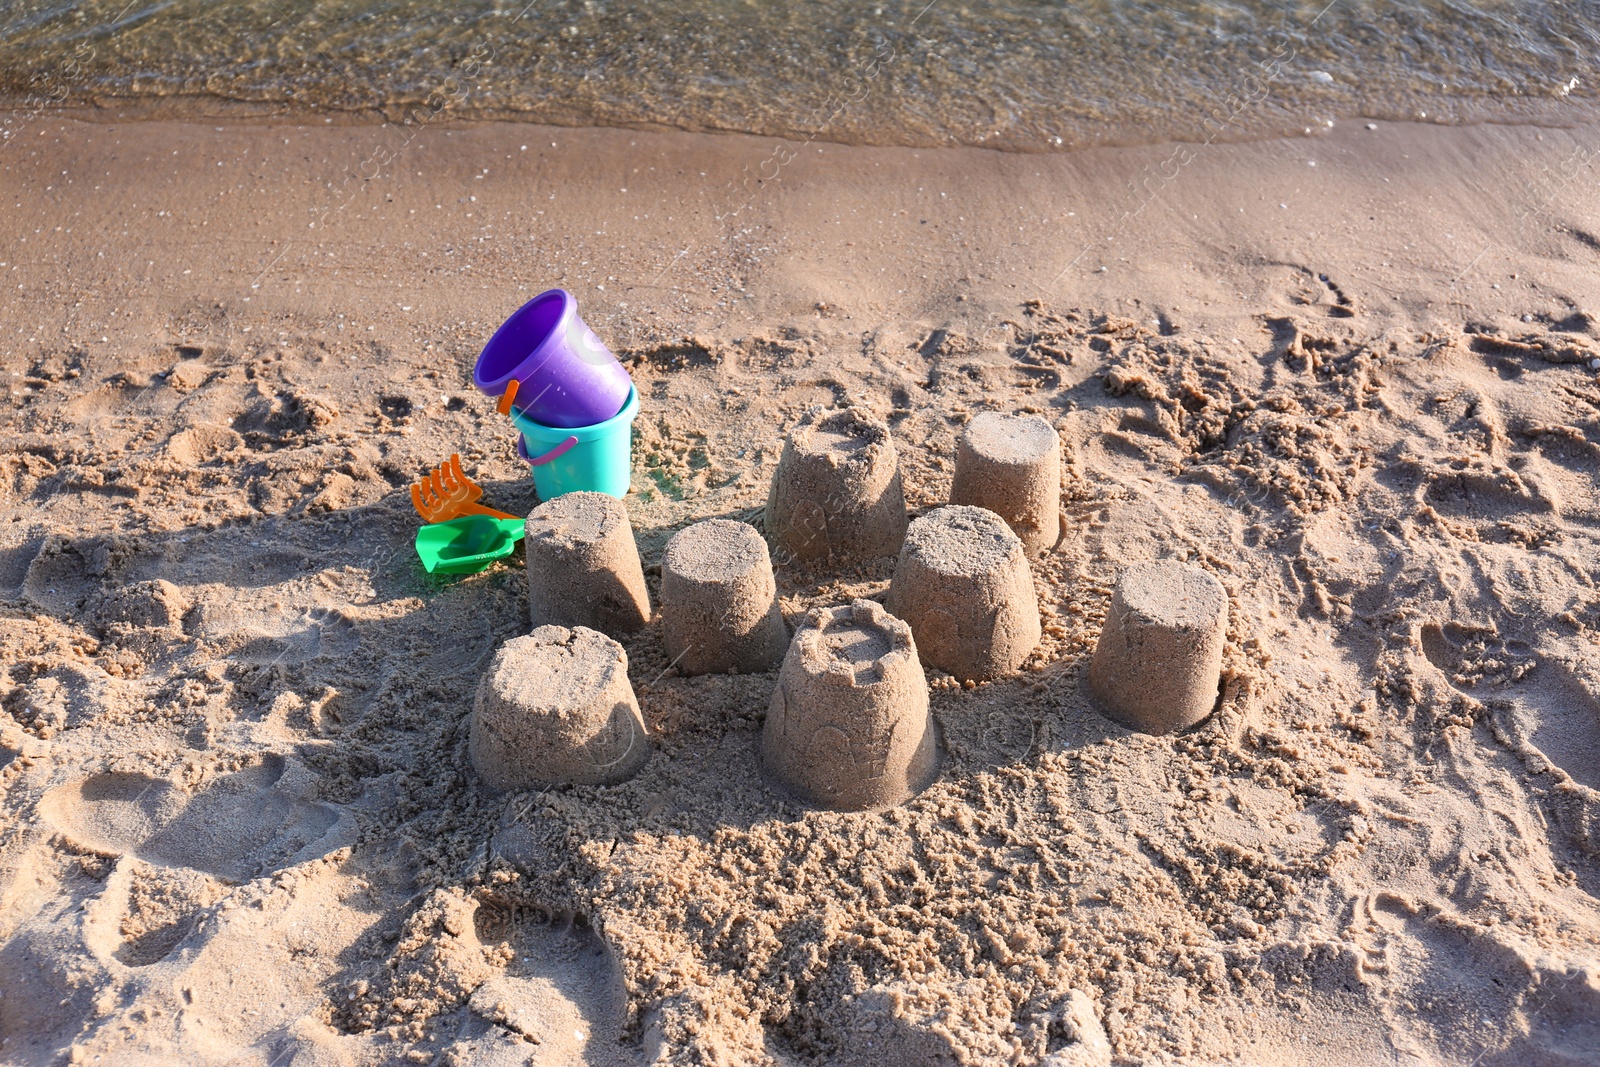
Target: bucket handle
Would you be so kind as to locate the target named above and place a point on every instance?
(555, 453)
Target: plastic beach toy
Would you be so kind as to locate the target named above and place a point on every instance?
(572, 459)
(566, 375)
(468, 544)
(447, 493)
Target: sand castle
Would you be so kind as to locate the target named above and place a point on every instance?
(1158, 664)
(1011, 464)
(719, 605)
(963, 584)
(848, 726)
(556, 708)
(837, 491)
(583, 565)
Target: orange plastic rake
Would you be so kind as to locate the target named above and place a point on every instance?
(447, 493)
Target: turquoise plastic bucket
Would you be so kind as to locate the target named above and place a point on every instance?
(580, 459)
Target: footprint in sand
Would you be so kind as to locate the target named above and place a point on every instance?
(203, 443)
(15, 558)
(255, 631)
(237, 828)
(146, 912)
(562, 990)
(1553, 710)
(1316, 290)
(1414, 946)
(1500, 505)
(1329, 295)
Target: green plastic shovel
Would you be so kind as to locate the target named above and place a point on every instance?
(467, 545)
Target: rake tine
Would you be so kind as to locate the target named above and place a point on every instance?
(477, 490)
(428, 504)
(450, 475)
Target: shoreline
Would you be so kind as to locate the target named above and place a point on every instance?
(209, 109)
(1354, 378)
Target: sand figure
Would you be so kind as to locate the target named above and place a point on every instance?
(556, 707)
(963, 585)
(1158, 663)
(1011, 464)
(848, 727)
(719, 601)
(583, 565)
(837, 491)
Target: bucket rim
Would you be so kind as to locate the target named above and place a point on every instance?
(554, 434)
(569, 309)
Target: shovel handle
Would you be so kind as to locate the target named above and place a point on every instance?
(479, 509)
(508, 397)
(554, 453)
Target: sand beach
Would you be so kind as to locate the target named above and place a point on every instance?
(1353, 374)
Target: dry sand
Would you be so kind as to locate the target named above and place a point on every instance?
(240, 826)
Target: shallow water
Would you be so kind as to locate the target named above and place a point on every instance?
(1022, 75)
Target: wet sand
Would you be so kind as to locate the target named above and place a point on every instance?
(1348, 375)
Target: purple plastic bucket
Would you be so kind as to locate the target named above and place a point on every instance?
(566, 375)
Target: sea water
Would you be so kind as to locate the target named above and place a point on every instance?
(1025, 75)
